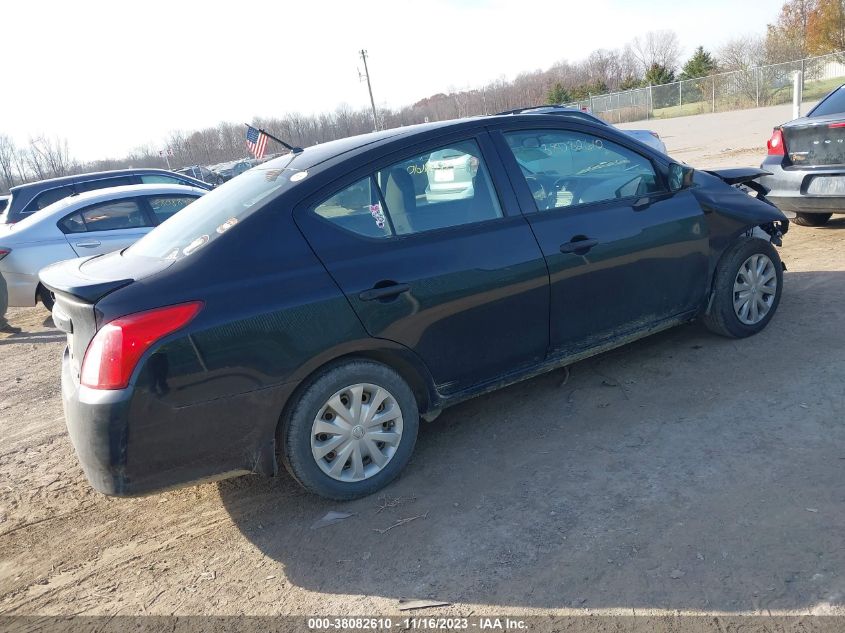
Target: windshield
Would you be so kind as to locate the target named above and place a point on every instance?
(218, 211)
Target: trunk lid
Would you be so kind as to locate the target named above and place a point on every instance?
(78, 284)
(817, 141)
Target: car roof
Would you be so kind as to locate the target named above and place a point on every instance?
(349, 147)
(93, 175)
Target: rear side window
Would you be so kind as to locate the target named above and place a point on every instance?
(72, 224)
(110, 216)
(449, 186)
(102, 183)
(833, 104)
(563, 168)
(358, 209)
(165, 206)
(46, 198)
(156, 179)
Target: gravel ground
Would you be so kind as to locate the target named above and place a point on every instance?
(685, 472)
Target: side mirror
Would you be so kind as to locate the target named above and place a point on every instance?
(680, 177)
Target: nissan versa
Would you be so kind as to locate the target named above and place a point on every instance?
(311, 311)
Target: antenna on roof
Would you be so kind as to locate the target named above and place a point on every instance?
(293, 149)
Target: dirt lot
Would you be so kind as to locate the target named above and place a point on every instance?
(684, 472)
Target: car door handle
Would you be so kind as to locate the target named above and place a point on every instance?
(91, 244)
(577, 246)
(384, 292)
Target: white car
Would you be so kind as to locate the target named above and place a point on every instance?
(82, 225)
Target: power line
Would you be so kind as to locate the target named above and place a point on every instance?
(366, 75)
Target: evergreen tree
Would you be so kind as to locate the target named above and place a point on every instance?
(558, 94)
(700, 64)
(658, 74)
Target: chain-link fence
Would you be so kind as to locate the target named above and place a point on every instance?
(755, 87)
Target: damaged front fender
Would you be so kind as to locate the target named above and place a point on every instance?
(717, 192)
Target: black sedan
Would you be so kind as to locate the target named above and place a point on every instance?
(311, 311)
(806, 163)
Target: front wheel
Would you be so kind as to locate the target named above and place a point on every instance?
(746, 289)
(812, 219)
(351, 431)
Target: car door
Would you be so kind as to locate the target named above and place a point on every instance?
(624, 254)
(106, 226)
(432, 252)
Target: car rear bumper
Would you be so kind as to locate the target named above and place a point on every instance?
(792, 189)
(130, 445)
(21, 289)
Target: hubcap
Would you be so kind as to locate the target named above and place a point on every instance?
(755, 288)
(356, 432)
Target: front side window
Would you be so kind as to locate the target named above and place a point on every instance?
(449, 186)
(165, 206)
(110, 216)
(567, 168)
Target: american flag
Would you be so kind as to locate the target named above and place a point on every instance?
(256, 141)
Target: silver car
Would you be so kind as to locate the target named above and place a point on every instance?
(87, 224)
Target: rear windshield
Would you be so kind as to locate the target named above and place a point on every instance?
(833, 104)
(218, 211)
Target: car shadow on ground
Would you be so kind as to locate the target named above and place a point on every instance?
(684, 471)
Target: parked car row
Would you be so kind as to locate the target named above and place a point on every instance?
(31, 197)
(82, 225)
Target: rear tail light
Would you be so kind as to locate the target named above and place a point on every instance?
(775, 145)
(116, 349)
(4, 252)
(835, 125)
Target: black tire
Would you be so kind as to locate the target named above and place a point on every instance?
(722, 317)
(296, 429)
(812, 219)
(46, 297)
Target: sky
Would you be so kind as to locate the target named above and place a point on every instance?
(110, 76)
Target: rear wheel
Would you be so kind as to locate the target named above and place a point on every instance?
(812, 219)
(46, 297)
(351, 431)
(746, 289)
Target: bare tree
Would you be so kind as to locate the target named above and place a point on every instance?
(741, 53)
(656, 47)
(7, 161)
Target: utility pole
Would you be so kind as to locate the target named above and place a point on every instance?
(366, 75)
